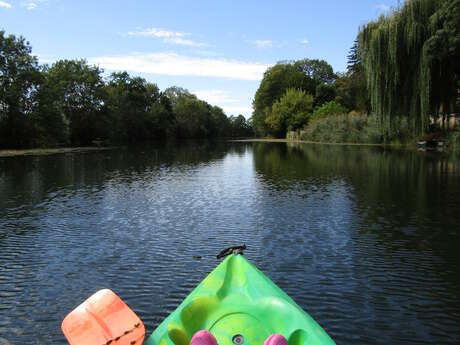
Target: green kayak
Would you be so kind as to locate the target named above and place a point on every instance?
(239, 305)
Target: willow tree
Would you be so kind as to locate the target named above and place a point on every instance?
(411, 61)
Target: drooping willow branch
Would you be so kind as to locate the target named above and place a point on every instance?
(410, 59)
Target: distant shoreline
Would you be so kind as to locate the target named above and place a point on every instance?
(50, 151)
(309, 142)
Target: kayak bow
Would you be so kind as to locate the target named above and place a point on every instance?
(239, 305)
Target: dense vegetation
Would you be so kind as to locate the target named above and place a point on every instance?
(411, 59)
(402, 69)
(71, 103)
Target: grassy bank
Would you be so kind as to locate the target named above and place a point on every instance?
(360, 129)
(50, 151)
(356, 128)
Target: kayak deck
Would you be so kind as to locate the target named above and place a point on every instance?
(237, 302)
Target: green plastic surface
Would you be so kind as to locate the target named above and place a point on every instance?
(238, 299)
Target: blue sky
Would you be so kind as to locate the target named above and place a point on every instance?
(216, 49)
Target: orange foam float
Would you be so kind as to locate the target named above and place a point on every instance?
(103, 319)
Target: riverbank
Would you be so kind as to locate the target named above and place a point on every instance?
(50, 151)
(274, 140)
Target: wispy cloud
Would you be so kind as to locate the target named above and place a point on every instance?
(180, 65)
(156, 32)
(4, 4)
(168, 36)
(32, 4)
(225, 100)
(382, 7)
(304, 41)
(46, 58)
(263, 44)
(215, 96)
(236, 110)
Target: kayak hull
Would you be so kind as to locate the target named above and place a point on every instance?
(236, 299)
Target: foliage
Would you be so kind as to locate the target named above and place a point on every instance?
(71, 103)
(76, 93)
(19, 83)
(351, 86)
(292, 111)
(318, 70)
(325, 93)
(329, 109)
(343, 129)
(138, 109)
(410, 60)
(304, 75)
(240, 127)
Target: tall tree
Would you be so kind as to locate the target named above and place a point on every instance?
(291, 112)
(78, 91)
(19, 82)
(276, 81)
(410, 58)
(319, 70)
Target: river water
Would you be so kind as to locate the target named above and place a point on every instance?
(366, 240)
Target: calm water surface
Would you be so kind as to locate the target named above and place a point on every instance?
(366, 240)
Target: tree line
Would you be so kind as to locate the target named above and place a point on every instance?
(403, 67)
(71, 103)
(292, 93)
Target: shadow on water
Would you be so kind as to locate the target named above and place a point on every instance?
(377, 228)
(365, 239)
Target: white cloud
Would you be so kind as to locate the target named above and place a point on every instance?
(32, 4)
(5, 4)
(215, 96)
(382, 7)
(184, 42)
(224, 99)
(46, 58)
(236, 110)
(304, 41)
(263, 44)
(159, 33)
(180, 65)
(172, 37)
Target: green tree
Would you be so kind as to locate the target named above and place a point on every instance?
(276, 81)
(141, 112)
(291, 112)
(19, 83)
(325, 93)
(410, 59)
(329, 109)
(78, 92)
(304, 75)
(193, 117)
(220, 123)
(318, 70)
(52, 125)
(240, 127)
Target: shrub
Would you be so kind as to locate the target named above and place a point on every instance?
(329, 109)
(356, 128)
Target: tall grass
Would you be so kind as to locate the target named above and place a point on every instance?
(352, 128)
(356, 128)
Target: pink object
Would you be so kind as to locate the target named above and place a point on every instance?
(276, 339)
(203, 338)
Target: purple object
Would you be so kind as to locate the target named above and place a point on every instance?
(203, 338)
(276, 339)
